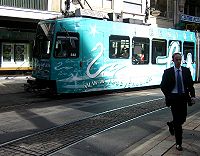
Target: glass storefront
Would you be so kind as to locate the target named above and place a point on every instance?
(15, 55)
(16, 50)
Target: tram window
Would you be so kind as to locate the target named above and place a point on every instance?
(119, 47)
(159, 48)
(67, 45)
(188, 52)
(140, 50)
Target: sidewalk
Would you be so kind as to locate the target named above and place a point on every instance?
(12, 84)
(162, 144)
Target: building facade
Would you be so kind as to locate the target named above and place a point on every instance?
(189, 15)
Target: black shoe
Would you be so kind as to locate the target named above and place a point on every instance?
(171, 127)
(179, 147)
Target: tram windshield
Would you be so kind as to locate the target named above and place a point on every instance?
(43, 41)
(67, 45)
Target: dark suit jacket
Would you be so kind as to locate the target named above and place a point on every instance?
(168, 83)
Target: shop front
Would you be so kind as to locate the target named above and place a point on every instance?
(15, 55)
(16, 44)
(188, 22)
(17, 35)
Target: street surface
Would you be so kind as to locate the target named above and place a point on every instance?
(23, 114)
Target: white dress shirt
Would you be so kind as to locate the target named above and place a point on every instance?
(175, 90)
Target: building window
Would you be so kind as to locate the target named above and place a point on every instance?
(92, 3)
(170, 9)
(106, 4)
(27, 4)
(119, 47)
(166, 7)
(132, 6)
(198, 11)
(192, 8)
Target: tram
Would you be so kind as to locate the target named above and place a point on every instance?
(79, 54)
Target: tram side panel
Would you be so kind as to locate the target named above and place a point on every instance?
(93, 61)
(105, 72)
(99, 71)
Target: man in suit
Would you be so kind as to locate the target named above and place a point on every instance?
(177, 86)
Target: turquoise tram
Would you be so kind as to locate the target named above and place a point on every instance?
(78, 54)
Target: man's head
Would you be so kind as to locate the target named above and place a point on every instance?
(176, 58)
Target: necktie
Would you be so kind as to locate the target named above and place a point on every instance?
(179, 82)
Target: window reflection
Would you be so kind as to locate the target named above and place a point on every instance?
(159, 48)
(188, 52)
(67, 45)
(140, 50)
(119, 47)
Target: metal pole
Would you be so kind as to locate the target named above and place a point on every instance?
(88, 4)
(175, 13)
(80, 4)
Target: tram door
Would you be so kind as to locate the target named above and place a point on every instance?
(14, 54)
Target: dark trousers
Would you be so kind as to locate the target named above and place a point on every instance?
(179, 113)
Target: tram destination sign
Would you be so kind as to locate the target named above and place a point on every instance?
(188, 18)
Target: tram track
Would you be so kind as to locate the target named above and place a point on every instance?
(56, 138)
(51, 140)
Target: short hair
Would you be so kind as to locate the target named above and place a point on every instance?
(176, 53)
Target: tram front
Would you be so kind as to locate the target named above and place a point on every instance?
(42, 58)
(55, 56)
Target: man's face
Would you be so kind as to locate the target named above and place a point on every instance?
(177, 60)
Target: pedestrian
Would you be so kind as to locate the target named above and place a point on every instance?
(177, 86)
